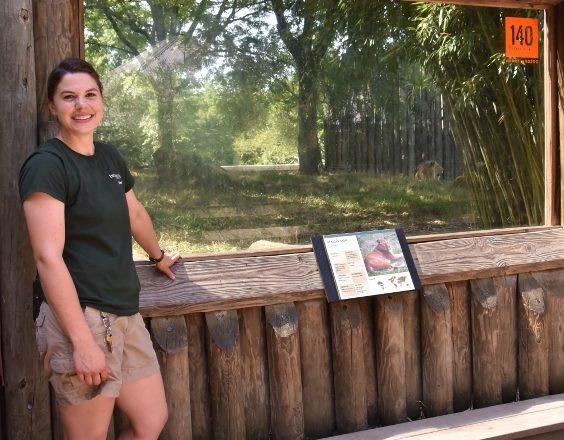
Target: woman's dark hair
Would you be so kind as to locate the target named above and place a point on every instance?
(70, 65)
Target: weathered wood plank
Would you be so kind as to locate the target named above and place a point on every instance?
(238, 282)
(367, 309)
(224, 351)
(317, 370)
(459, 296)
(486, 323)
(511, 421)
(349, 368)
(25, 391)
(171, 339)
(489, 256)
(437, 350)
(552, 283)
(533, 339)
(254, 370)
(200, 398)
(559, 60)
(390, 355)
(283, 346)
(412, 347)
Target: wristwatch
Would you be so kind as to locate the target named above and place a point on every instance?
(157, 260)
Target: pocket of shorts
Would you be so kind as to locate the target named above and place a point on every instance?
(94, 321)
(40, 333)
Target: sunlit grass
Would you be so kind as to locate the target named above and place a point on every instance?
(185, 217)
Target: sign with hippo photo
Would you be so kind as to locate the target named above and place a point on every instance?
(359, 264)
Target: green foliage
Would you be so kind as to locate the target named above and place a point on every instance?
(497, 108)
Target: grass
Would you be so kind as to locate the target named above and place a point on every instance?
(331, 203)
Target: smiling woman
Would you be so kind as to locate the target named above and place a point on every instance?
(81, 213)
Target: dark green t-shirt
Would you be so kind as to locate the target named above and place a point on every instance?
(97, 248)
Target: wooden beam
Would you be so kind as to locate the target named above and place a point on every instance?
(559, 50)
(213, 284)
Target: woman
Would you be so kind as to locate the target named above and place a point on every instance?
(81, 213)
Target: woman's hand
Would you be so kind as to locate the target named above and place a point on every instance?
(166, 264)
(90, 363)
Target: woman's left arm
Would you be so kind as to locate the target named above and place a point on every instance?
(144, 233)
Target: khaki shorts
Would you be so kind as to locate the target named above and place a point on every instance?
(132, 358)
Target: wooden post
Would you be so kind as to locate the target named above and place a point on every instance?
(25, 391)
(367, 308)
(170, 336)
(459, 297)
(533, 339)
(559, 47)
(200, 399)
(349, 369)
(552, 282)
(283, 346)
(437, 350)
(317, 371)
(58, 34)
(486, 323)
(225, 375)
(390, 355)
(412, 347)
(254, 370)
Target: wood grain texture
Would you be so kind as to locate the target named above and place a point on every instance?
(459, 296)
(533, 339)
(171, 338)
(227, 397)
(259, 280)
(349, 369)
(367, 311)
(25, 412)
(316, 368)
(390, 355)
(254, 370)
(283, 346)
(559, 59)
(200, 395)
(486, 323)
(412, 347)
(552, 283)
(437, 350)
(506, 288)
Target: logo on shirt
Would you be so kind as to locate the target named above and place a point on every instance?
(117, 177)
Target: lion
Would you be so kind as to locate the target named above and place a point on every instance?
(429, 170)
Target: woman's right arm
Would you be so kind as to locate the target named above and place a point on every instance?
(46, 225)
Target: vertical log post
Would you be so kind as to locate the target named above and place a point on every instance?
(225, 375)
(459, 297)
(437, 350)
(25, 391)
(317, 372)
(284, 373)
(390, 354)
(367, 308)
(170, 336)
(58, 33)
(200, 399)
(499, 293)
(552, 282)
(486, 330)
(533, 339)
(412, 347)
(254, 370)
(348, 366)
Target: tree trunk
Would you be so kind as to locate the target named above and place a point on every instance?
(308, 146)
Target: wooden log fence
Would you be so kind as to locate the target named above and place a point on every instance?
(264, 355)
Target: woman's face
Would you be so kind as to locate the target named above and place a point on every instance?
(77, 104)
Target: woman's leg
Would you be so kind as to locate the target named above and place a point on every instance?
(143, 402)
(88, 420)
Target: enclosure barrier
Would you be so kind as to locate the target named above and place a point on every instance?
(249, 347)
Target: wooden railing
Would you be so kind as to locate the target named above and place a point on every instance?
(249, 347)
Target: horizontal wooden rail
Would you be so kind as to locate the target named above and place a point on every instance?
(243, 280)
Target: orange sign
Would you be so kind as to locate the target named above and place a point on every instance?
(521, 37)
